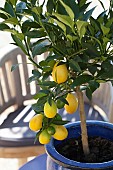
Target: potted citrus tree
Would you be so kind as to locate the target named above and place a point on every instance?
(79, 57)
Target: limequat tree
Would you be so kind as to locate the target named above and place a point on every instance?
(79, 57)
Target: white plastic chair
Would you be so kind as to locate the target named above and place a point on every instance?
(16, 139)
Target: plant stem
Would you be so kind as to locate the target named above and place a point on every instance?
(83, 121)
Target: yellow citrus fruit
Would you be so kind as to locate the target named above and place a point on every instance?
(60, 73)
(61, 132)
(73, 103)
(50, 110)
(35, 123)
(44, 137)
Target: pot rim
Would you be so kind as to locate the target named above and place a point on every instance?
(58, 158)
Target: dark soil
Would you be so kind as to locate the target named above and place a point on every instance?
(101, 150)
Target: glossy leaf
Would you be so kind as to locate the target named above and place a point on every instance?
(74, 65)
(32, 78)
(4, 14)
(41, 47)
(50, 6)
(35, 33)
(60, 122)
(27, 25)
(68, 10)
(19, 43)
(88, 14)
(48, 83)
(81, 27)
(89, 93)
(65, 19)
(36, 73)
(61, 25)
(9, 9)
(93, 85)
(12, 20)
(105, 30)
(37, 108)
(41, 94)
(82, 79)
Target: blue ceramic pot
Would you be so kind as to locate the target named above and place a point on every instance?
(56, 161)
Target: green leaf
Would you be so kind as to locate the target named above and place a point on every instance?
(36, 73)
(82, 79)
(60, 122)
(72, 38)
(9, 9)
(88, 14)
(2, 11)
(4, 26)
(14, 67)
(48, 83)
(35, 33)
(32, 78)
(19, 43)
(93, 85)
(81, 27)
(43, 63)
(107, 74)
(27, 25)
(91, 50)
(63, 100)
(95, 24)
(46, 75)
(61, 25)
(51, 63)
(53, 57)
(12, 20)
(47, 69)
(74, 65)
(65, 19)
(50, 6)
(68, 10)
(37, 136)
(41, 94)
(74, 6)
(105, 30)
(13, 2)
(41, 47)
(37, 10)
(92, 69)
(37, 108)
(82, 2)
(89, 93)
(14, 32)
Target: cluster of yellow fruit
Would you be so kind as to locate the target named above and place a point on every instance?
(59, 132)
(60, 75)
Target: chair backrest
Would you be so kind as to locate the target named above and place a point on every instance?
(14, 86)
(102, 100)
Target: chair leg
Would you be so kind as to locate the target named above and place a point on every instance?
(21, 161)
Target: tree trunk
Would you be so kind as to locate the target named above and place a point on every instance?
(83, 121)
